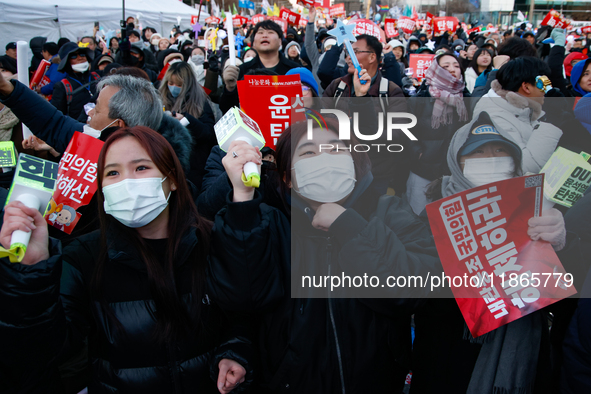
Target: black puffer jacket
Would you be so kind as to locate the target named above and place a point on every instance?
(330, 344)
(80, 95)
(47, 321)
(429, 153)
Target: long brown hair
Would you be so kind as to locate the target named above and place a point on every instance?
(173, 321)
(192, 97)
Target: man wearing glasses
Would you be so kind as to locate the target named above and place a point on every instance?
(389, 170)
(73, 92)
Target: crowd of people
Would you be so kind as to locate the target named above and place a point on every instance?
(178, 276)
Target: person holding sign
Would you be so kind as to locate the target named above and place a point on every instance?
(447, 358)
(137, 288)
(267, 38)
(339, 223)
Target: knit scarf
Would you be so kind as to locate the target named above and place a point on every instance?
(447, 90)
(7, 121)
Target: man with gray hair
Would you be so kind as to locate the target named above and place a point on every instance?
(123, 101)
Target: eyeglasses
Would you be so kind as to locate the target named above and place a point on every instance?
(75, 55)
(305, 88)
(357, 52)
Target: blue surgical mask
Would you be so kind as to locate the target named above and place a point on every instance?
(174, 90)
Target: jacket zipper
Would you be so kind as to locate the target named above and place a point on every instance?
(332, 321)
(175, 370)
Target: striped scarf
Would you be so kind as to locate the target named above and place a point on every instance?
(447, 90)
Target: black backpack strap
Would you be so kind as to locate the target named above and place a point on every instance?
(69, 94)
(383, 93)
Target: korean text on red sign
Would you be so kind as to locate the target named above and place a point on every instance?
(481, 235)
(365, 26)
(390, 27)
(76, 182)
(420, 63)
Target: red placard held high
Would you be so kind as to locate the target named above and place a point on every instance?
(274, 104)
(481, 237)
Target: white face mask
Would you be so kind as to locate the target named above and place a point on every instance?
(198, 59)
(94, 132)
(248, 58)
(135, 202)
(489, 169)
(80, 67)
(325, 178)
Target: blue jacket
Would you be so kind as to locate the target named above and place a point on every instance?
(54, 76)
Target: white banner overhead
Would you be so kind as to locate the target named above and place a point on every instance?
(25, 19)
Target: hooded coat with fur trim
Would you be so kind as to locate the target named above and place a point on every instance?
(520, 117)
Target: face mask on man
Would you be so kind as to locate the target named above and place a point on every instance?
(94, 132)
(248, 58)
(198, 59)
(489, 169)
(325, 178)
(135, 202)
(80, 67)
(174, 90)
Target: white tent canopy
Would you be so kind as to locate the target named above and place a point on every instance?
(21, 20)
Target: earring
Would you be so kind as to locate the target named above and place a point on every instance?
(173, 187)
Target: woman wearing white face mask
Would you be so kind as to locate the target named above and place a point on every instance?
(511, 358)
(339, 224)
(182, 96)
(137, 289)
(73, 92)
(196, 60)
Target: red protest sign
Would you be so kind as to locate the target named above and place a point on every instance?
(213, 19)
(76, 182)
(322, 3)
(481, 236)
(406, 24)
(390, 27)
(274, 108)
(586, 29)
(420, 63)
(429, 19)
(293, 18)
(337, 10)
(39, 78)
(365, 26)
(445, 23)
(303, 22)
(281, 22)
(194, 19)
(306, 3)
(258, 18)
(238, 20)
(554, 19)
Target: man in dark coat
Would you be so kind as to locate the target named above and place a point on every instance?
(267, 37)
